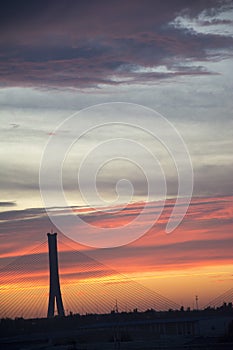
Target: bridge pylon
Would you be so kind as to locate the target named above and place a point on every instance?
(54, 285)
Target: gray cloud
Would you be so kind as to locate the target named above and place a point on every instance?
(68, 45)
(7, 204)
(213, 179)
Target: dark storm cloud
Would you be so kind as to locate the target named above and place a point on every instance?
(83, 44)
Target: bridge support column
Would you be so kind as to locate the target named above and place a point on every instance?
(54, 285)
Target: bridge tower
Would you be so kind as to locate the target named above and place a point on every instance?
(54, 285)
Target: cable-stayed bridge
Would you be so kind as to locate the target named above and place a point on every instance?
(219, 301)
(87, 285)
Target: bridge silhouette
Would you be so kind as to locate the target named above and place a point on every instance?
(88, 286)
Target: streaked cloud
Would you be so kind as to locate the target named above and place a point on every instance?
(73, 47)
(56, 59)
(7, 204)
(199, 251)
(205, 227)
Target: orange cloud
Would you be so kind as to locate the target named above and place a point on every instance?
(197, 254)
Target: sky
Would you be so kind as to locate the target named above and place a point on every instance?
(128, 104)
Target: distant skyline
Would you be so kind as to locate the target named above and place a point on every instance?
(175, 57)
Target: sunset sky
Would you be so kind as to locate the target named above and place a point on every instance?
(166, 65)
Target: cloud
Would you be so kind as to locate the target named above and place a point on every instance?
(68, 45)
(214, 214)
(207, 22)
(207, 226)
(22, 214)
(213, 178)
(7, 204)
(202, 241)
